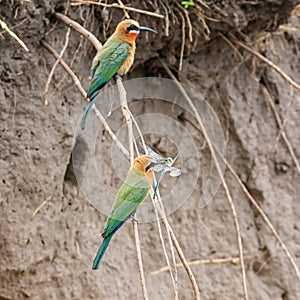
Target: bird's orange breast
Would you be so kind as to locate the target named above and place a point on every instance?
(149, 175)
(128, 62)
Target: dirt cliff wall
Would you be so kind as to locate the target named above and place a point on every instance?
(49, 256)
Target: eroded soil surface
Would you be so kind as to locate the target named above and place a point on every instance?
(49, 256)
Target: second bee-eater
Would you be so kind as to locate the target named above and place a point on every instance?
(133, 192)
(114, 58)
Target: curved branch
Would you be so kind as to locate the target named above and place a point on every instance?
(88, 35)
(115, 5)
(269, 63)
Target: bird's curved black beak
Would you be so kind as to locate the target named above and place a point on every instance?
(142, 28)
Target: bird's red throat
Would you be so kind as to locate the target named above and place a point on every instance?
(150, 171)
(134, 35)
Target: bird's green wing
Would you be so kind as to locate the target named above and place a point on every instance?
(95, 63)
(127, 200)
(106, 65)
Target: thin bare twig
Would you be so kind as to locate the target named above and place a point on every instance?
(159, 210)
(66, 67)
(126, 116)
(139, 259)
(15, 26)
(13, 35)
(55, 65)
(182, 41)
(259, 209)
(124, 10)
(183, 260)
(269, 63)
(83, 92)
(175, 276)
(235, 50)
(80, 49)
(115, 5)
(272, 255)
(167, 22)
(128, 122)
(264, 216)
(281, 126)
(88, 35)
(158, 207)
(232, 260)
(41, 206)
(97, 44)
(212, 151)
(190, 27)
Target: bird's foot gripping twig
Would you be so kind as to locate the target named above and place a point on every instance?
(118, 76)
(134, 219)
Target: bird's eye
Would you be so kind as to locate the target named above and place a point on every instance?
(149, 166)
(132, 27)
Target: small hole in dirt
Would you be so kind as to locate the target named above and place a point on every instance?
(3, 181)
(60, 9)
(277, 101)
(256, 266)
(284, 295)
(43, 242)
(32, 272)
(262, 81)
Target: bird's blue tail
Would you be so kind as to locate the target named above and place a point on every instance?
(87, 111)
(101, 251)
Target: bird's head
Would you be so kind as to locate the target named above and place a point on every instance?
(129, 29)
(145, 163)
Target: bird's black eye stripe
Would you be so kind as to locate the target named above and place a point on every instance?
(132, 27)
(151, 165)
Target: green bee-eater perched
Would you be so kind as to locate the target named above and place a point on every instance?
(114, 58)
(133, 192)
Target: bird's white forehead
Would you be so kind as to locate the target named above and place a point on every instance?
(135, 23)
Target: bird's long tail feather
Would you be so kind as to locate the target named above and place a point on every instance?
(101, 251)
(87, 111)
